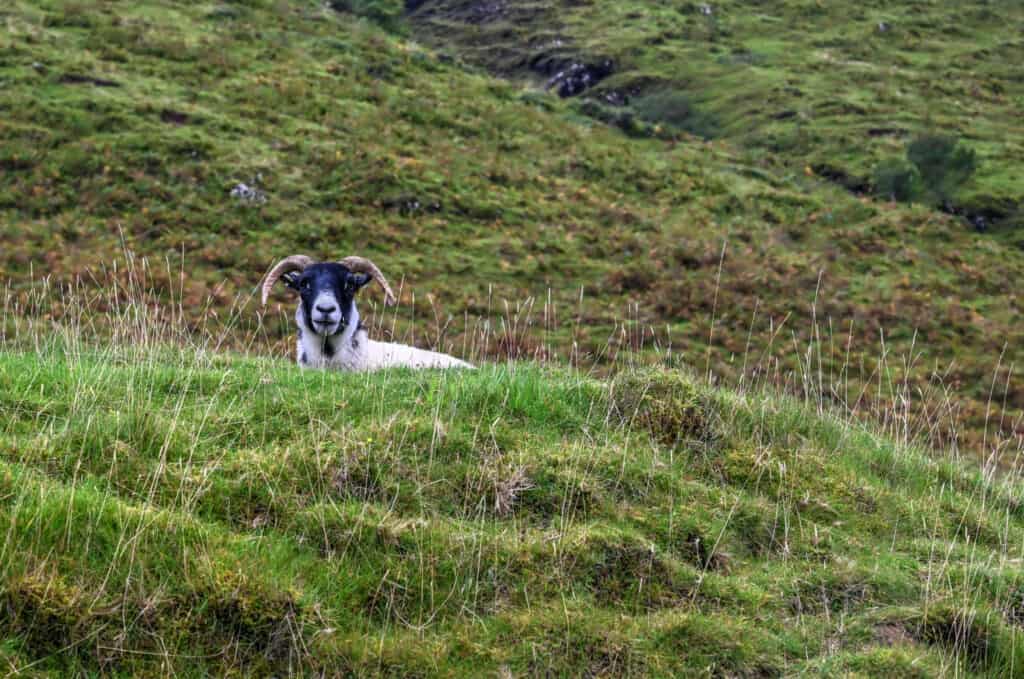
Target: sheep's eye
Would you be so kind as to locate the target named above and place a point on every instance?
(304, 285)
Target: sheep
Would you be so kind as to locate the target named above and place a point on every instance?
(330, 332)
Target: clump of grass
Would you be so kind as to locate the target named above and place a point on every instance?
(260, 621)
(625, 573)
(47, 612)
(666, 403)
(724, 646)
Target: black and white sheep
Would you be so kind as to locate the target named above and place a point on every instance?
(330, 332)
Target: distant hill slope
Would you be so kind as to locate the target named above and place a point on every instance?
(837, 86)
(172, 515)
(126, 125)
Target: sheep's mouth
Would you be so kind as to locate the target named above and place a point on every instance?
(327, 326)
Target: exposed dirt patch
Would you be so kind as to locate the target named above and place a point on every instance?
(16, 164)
(960, 631)
(857, 185)
(410, 204)
(887, 132)
(892, 635)
(175, 117)
(80, 79)
(701, 552)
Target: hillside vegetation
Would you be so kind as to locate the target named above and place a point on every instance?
(836, 87)
(748, 447)
(127, 125)
(172, 510)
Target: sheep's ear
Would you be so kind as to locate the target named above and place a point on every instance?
(291, 279)
(358, 280)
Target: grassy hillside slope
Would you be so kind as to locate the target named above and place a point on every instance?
(837, 86)
(167, 511)
(126, 125)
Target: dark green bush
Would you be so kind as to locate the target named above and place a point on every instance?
(898, 180)
(936, 166)
(944, 164)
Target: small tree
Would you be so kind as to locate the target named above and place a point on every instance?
(944, 165)
(897, 180)
(936, 165)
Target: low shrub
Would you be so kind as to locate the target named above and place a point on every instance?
(944, 164)
(935, 167)
(897, 180)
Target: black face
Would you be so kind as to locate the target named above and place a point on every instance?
(326, 292)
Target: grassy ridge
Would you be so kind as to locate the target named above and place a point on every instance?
(224, 514)
(126, 125)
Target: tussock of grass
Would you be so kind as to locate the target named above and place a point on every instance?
(666, 403)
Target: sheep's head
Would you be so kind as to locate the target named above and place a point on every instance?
(326, 289)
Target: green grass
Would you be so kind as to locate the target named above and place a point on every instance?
(174, 504)
(835, 86)
(124, 126)
(195, 513)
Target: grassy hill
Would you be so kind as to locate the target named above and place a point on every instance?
(168, 509)
(125, 127)
(179, 500)
(834, 86)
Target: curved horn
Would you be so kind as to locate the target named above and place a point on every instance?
(363, 265)
(293, 263)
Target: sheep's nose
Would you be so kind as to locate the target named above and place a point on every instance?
(326, 308)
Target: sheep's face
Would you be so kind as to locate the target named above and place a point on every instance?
(327, 293)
